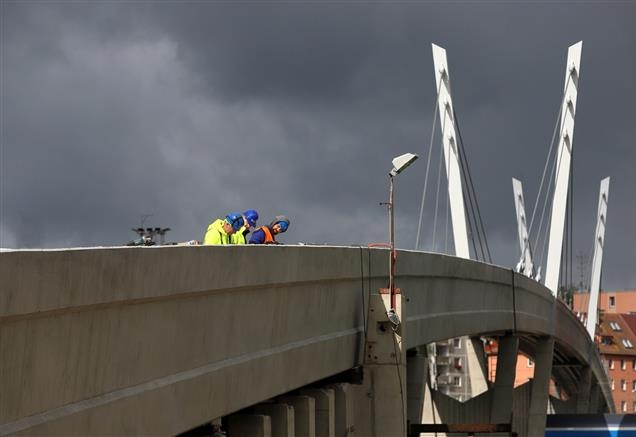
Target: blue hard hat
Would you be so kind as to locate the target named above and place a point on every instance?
(282, 221)
(251, 216)
(236, 220)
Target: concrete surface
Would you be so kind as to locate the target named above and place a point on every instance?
(166, 338)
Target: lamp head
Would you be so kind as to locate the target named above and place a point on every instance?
(393, 317)
(401, 162)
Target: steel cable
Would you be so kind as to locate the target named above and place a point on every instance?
(428, 163)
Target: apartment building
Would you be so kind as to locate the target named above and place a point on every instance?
(617, 344)
(612, 302)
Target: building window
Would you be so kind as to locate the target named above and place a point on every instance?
(634, 385)
(457, 381)
(610, 364)
(612, 301)
(623, 385)
(457, 363)
(623, 365)
(606, 340)
(612, 383)
(457, 343)
(628, 344)
(634, 406)
(624, 406)
(530, 362)
(633, 364)
(615, 326)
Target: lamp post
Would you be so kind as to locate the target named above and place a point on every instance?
(385, 345)
(400, 163)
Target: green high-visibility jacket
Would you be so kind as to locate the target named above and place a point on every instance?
(238, 237)
(216, 234)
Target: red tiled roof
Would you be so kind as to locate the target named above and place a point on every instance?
(630, 321)
(627, 331)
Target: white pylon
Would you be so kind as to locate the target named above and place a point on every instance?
(451, 152)
(597, 261)
(525, 265)
(562, 176)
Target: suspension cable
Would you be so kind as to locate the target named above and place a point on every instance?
(439, 175)
(447, 200)
(556, 125)
(545, 239)
(545, 203)
(471, 185)
(470, 212)
(428, 163)
(553, 178)
(470, 229)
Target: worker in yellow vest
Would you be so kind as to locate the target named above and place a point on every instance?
(220, 231)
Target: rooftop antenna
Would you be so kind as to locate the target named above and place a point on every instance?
(147, 235)
(143, 218)
(583, 261)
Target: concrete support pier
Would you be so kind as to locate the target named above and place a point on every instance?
(501, 405)
(282, 418)
(343, 397)
(416, 380)
(595, 397)
(304, 414)
(584, 391)
(325, 410)
(540, 386)
(253, 425)
(385, 365)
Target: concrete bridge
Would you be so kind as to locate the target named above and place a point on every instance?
(158, 340)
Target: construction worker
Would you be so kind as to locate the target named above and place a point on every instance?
(220, 231)
(267, 234)
(249, 218)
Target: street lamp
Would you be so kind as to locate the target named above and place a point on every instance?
(400, 163)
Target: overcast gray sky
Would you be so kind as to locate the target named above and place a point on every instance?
(189, 110)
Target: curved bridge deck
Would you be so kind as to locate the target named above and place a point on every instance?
(165, 338)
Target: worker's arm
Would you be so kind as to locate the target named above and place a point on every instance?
(239, 237)
(258, 237)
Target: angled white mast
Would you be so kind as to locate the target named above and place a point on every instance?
(597, 261)
(562, 176)
(451, 156)
(525, 265)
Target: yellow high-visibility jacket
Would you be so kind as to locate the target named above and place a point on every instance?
(216, 234)
(238, 237)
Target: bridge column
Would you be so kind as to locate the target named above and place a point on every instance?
(282, 418)
(416, 378)
(501, 406)
(325, 410)
(385, 367)
(256, 425)
(540, 386)
(595, 396)
(476, 366)
(343, 409)
(583, 393)
(304, 414)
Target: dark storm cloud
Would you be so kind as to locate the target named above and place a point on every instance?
(114, 110)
